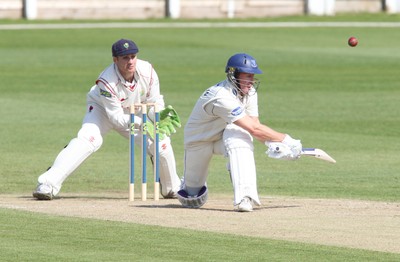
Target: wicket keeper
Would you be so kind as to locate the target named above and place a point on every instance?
(127, 81)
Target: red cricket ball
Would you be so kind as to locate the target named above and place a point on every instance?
(352, 41)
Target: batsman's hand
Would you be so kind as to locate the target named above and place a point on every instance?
(294, 145)
(288, 149)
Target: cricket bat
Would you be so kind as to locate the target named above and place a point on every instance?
(317, 153)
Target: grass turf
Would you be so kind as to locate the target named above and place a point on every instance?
(315, 87)
(27, 237)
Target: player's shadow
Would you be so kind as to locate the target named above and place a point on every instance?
(178, 206)
(95, 197)
(281, 206)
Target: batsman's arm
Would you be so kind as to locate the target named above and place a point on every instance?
(259, 131)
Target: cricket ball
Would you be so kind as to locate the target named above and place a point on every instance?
(352, 41)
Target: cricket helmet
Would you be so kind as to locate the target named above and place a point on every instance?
(242, 63)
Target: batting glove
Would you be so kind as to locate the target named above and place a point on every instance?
(288, 149)
(294, 145)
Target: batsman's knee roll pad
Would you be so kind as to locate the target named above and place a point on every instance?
(193, 201)
(236, 137)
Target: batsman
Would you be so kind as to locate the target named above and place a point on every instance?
(223, 122)
(127, 81)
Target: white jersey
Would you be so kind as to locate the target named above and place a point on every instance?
(217, 107)
(116, 95)
(108, 105)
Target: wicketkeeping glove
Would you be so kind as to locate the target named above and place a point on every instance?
(169, 120)
(170, 113)
(150, 131)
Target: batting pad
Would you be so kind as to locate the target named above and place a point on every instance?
(242, 169)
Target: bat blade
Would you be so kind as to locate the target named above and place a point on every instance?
(318, 153)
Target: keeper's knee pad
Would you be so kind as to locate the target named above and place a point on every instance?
(91, 134)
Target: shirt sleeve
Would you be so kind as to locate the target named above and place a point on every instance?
(112, 106)
(153, 94)
(228, 109)
(252, 105)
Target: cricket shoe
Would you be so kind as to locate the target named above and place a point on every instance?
(43, 192)
(170, 195)
(245, 205)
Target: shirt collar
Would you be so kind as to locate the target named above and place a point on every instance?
(122, 79)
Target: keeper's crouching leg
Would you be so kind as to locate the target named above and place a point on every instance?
(169, 179)
(71, 157)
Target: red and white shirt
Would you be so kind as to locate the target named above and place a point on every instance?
(113, 93)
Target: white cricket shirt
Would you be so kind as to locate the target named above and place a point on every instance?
(217, 107)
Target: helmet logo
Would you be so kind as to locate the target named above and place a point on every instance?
(253, 63)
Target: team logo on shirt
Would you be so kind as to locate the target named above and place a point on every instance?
(206, 93)
(237, 111)
(234, 91)
(105, 93)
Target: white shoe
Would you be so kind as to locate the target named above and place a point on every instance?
(43, 192)
(245, 205)
(169, 195)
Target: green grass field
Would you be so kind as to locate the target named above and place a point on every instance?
(314, 87)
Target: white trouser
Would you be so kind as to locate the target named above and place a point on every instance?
(197, 160)
(90, 138)
(237, 145)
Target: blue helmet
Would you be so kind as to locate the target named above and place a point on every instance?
(242, 63)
